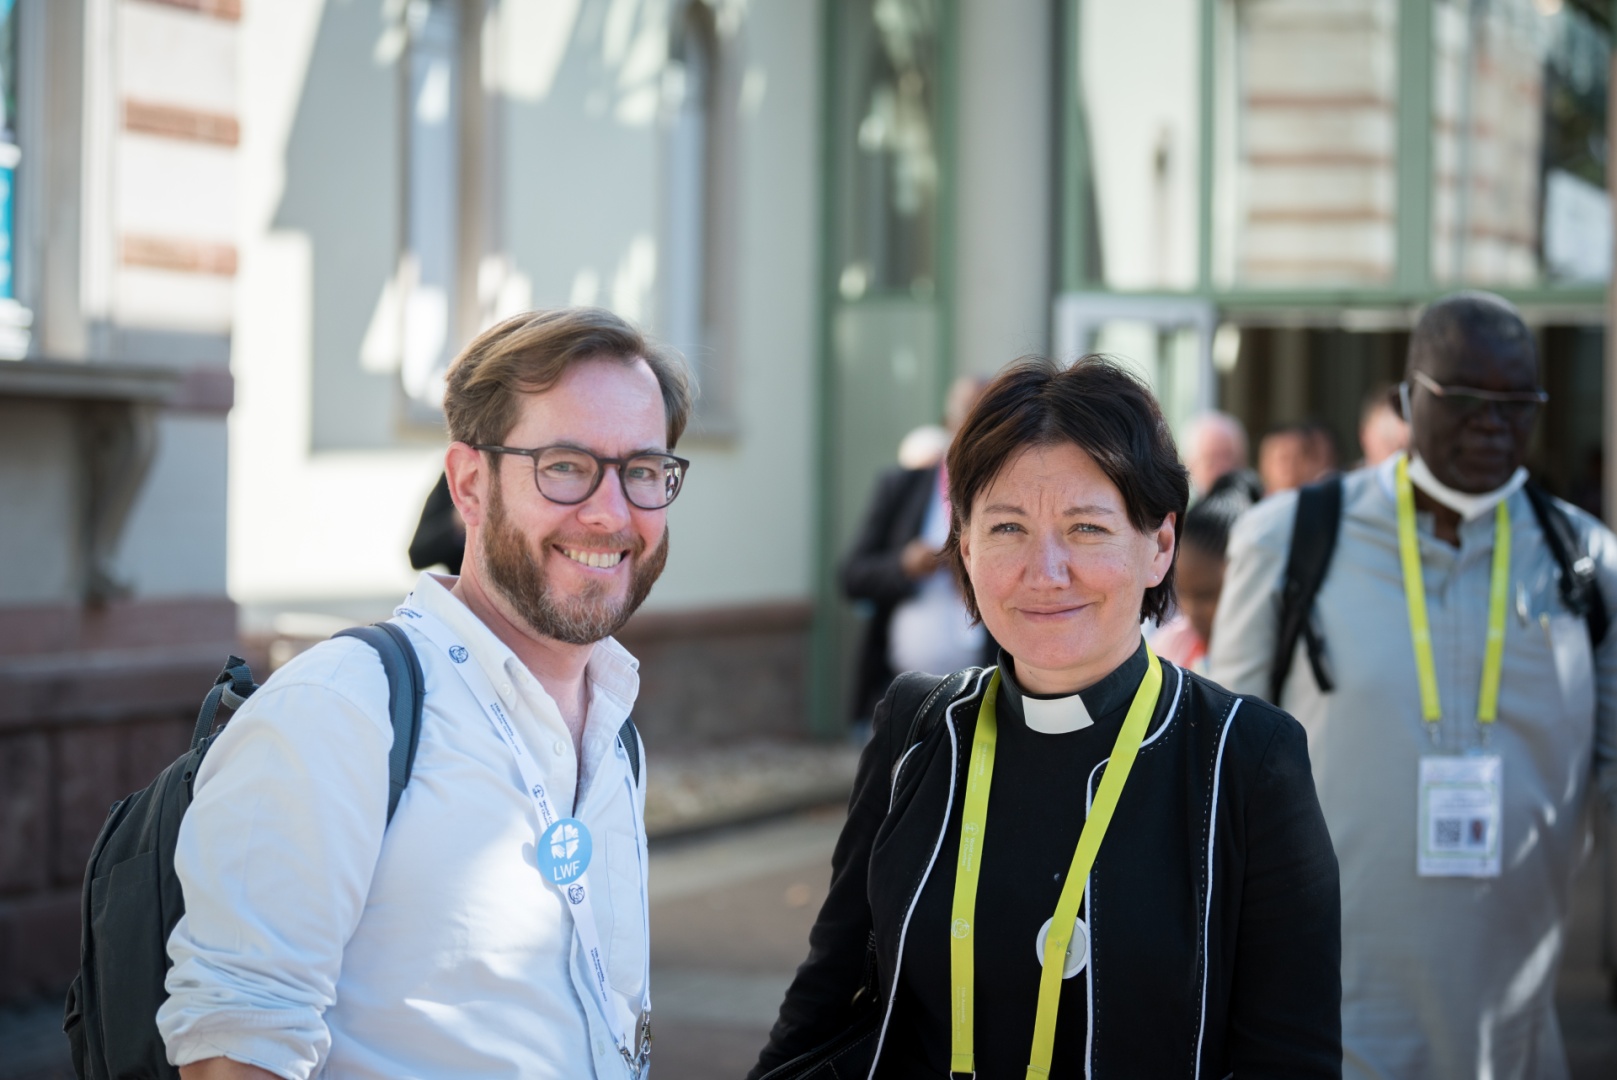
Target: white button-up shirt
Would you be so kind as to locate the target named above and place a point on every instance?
(315, 940)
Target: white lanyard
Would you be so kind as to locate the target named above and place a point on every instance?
(576, 892)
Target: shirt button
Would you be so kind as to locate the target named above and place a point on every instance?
(560, 748)
(505, 689)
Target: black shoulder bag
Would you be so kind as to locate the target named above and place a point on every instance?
(850, 1054)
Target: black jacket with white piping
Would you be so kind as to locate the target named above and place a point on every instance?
(1213, 906)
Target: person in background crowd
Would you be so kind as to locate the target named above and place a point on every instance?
(1205, 942)
(1295, 454)
(440, 536)
(918, 621)
(1382, 432)
(1199, 577)
(923, 447)
(1215, 444)
(459, 940)
(1455, 776)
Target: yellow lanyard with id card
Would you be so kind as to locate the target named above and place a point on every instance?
(1064, 923)
(1420, 630)
(1460, 798)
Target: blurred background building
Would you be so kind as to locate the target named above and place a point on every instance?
(240, 241)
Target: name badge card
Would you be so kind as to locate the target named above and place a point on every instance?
(1460, 807)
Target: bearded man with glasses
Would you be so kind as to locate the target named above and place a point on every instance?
(1459, 691)
(497, 924)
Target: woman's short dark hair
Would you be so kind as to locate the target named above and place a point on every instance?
(1096, 406)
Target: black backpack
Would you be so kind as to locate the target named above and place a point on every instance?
(1313, 542)
(850, 1052)
(132, 897)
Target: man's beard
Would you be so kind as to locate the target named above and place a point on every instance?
(584, 618)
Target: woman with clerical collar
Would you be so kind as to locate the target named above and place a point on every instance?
(1084, 861)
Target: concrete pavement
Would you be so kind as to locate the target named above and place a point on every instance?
(730, 916)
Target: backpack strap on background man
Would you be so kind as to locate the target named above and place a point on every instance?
(406, 695)
(1580, 590)
(1313, 543)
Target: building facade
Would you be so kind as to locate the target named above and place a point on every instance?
(240, 241)
(118, 158)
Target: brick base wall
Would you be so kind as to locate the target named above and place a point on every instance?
(96, 707)
(93, 705)
(721, 675)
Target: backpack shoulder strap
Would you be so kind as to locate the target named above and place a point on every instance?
(232, 688)
(1313, 543)
(406, 695)
(629, 736)
(1580, 591)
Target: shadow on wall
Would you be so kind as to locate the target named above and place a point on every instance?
(556, 174)
(343, 191)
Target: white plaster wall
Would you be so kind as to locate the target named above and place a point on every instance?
(173, 189)
(743, 530)
(176, 189)
(173, 543)
(149, 39)
(1004, 229)
(579, 223)
(302, 525)
(39, 547)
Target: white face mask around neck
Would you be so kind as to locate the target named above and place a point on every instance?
(1468, 505)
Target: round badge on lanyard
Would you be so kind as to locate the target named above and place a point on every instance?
(1077, 948)
(564, 852)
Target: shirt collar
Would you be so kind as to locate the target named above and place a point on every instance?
(1060, 713)
(611, 669)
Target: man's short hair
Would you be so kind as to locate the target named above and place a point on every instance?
(1462, 320)
(528, 353)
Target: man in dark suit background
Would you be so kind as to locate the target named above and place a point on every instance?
(918, 620)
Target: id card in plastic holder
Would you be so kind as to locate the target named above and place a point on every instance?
(1459, 810)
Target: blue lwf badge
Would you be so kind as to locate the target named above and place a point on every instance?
(564, 852)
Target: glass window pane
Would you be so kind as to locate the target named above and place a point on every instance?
(887, 118)
(1139, 66)
(1519, 143)
(1306, 176)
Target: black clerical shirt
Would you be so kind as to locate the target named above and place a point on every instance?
(1035, 814)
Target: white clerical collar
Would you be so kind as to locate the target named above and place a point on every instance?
(1055, 716)
(1469, 506)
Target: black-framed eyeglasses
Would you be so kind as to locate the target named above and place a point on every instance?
(568, 475)
(1467, 401)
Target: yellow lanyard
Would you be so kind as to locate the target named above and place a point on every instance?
(1420, 630)
(973, 826)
